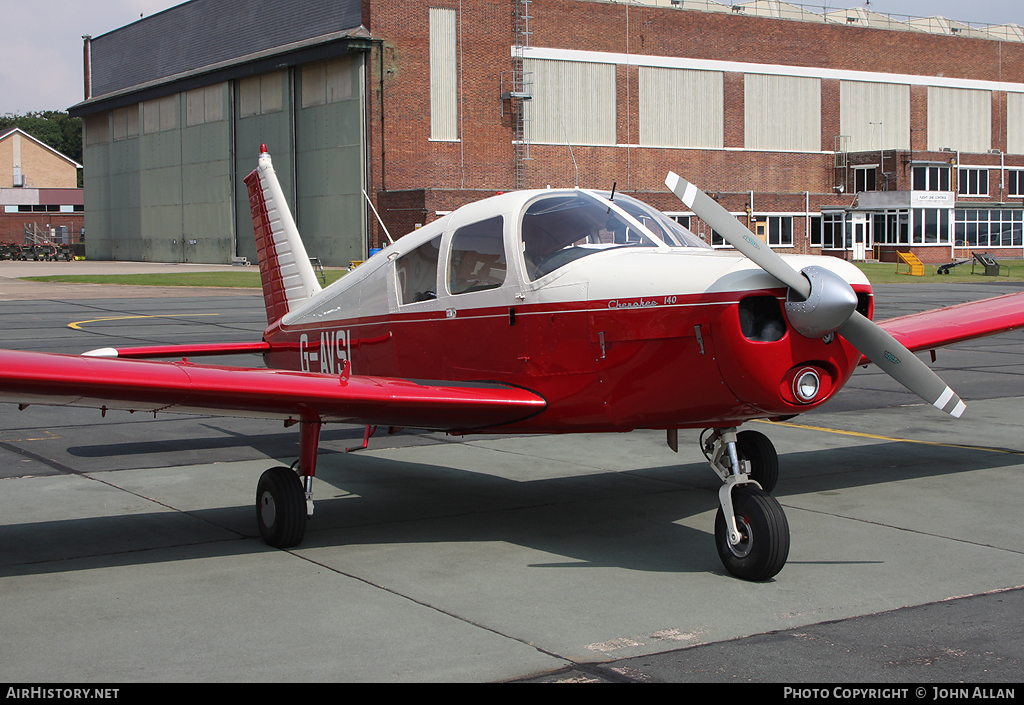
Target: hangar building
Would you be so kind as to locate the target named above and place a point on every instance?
(836, 131)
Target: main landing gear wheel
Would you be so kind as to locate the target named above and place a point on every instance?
(281, 507)
(761, 457)
(764, 535)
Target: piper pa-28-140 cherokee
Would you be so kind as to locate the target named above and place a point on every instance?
(548, 311)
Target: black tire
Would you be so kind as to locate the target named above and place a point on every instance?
(281, 507)
(762, 460)
(764, 547)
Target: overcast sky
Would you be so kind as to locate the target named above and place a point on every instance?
(42, 39)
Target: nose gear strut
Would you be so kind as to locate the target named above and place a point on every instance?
(751, 531)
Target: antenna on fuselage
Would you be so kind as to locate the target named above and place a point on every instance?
(378, 217)
(569, 145)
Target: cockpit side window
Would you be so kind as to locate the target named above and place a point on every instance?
(562, 228)
(416, 273)
(477, 259)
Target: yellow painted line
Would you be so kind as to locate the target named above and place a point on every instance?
(76, 324)
(876, 437)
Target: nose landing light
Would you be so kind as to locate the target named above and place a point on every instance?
(806, 384)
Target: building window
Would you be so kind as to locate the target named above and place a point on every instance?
(931, 178)
(1015, 182)
(829, 232)
(444, 89)
(863, 179)
(891, 227)
(204, 105)
(160, 114)
(959, 119)
(97, 129)
(931, 226)
(989, 228)
(782, 113)
(780, 231)
(126, 122)
(1015, 123)
(326, 82)
(874, 115)
(681, 108)
(573, 102)
(973, 182)
(258, 95)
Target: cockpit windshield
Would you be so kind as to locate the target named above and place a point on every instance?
(562, 228)
(669, 231)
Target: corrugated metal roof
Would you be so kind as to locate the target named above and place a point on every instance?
(203, 33)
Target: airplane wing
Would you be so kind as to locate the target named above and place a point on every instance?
(182, 387)
(954, 324)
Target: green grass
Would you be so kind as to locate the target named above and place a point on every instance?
(246, 279)
(885, 273)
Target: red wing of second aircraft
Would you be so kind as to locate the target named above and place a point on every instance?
(954, 324)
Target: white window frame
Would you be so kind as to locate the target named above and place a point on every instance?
(976, 186)
(862, 173)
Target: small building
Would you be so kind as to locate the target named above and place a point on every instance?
(39, 192)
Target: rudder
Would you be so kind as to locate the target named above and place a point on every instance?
(288, 277)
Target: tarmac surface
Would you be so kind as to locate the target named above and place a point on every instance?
(129, 550)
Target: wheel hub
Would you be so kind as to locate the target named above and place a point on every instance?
(742, 549)
(268, 510)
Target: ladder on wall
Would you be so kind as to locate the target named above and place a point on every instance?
(517, 89)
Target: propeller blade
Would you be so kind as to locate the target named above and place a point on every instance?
(871, 340)
(899, 363)
(726, 225)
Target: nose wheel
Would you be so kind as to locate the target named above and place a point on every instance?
(751, 530)
(764, 535)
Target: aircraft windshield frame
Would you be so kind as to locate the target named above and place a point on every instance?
(661, 227)
(562, 226)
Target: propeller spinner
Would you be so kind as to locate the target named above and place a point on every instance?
(821, 302)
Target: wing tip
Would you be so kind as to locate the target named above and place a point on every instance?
(101, 352)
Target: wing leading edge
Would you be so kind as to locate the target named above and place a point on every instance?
(954, 324)
(182, 387)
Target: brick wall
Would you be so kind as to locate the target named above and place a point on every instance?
(446, 174)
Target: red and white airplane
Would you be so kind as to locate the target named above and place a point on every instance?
(550, 311)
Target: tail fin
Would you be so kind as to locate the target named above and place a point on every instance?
(288, 277)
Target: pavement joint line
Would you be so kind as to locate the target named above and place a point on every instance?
(901, 528)
(391, 591)
(60, 467)
(877, 437)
